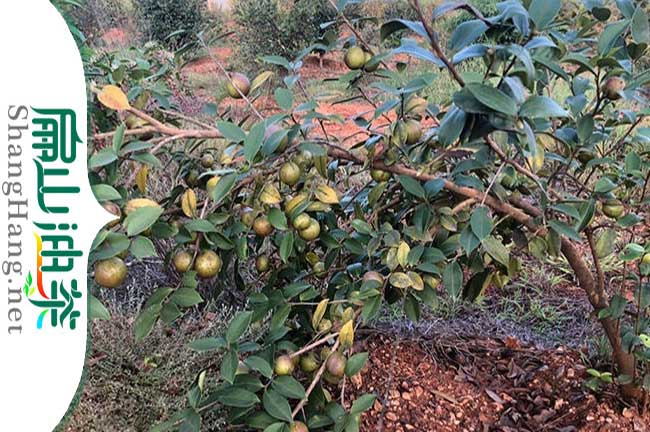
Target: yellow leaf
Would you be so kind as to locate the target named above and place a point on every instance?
(400, 280)
(346, 336)
(348, 315)
(536, 163)
(403, 253)
(416, 281)
(188, 203)
(259, 80)
(319, 313)
(270, 195)
(391, 259)
(141, 179)
(327, 195)
(114, 98)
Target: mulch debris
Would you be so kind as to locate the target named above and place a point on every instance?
(484, 385)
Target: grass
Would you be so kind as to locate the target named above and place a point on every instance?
(132, 386)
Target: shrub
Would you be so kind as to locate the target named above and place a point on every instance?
(267, 27)
(174, 23)
(98, 16)
(458, 195)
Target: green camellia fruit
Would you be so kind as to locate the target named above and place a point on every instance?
(612, 87)
(415, 105)
(336, 364)
(110, 273)
(262, 226)
(298, 427)
(262, 263)
(355, 58)
(207, 264)
(238, 82)
(182, 261)
(302, 221)
(207, 160)
(309, 363)
(284, 365)
(379, 176)
(613, 209)
(367, 66)
(646, 259)
(413, 131)
(290, 173)
(311, 232)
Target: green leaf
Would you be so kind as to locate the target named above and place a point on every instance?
(223, 187)
(396, 25)
(208, 344)
(118, 138)
(481, 223)
(238, 397)
(253, 141)
(451, 126)
(142, 247)
(452, 278)
(355, 364)
(640, 26)
(96, 310)
(284, 98)
(542, 12)
(104, 192)
(289, 386)
(278, 219)
(286, 246)
(362, 404)
(145, 321)
(565, 230)
(606, 242)
(466, 33)
(493, 98)
(229, 364)
(604, 185)
(541, 107)
(610, 35)
(238, 326)
(231, 131)
(141, 219)
(102, 158)
(412, 186)
(497, 250)
(260, 365)
(277, 427)
(200, 225)
(276, 405)
(186, 297)
(632, 252)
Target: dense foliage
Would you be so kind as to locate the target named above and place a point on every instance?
(543, 152)
(175, 23)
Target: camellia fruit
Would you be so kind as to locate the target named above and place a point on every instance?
(207, 264)
(262, 226)
(284, 365)
(110, 273)
(262, 263)
(413, 131)
(613, 209)
(298, 427)
(367, 66)
(336, 364)
(301, 221)
(272, 130)
(238, 82)
(355, 58)
(290, 173)
(311, 232)
(379, 176)
(612, 88)
(207, 160)
(182, 261)
(646, 259)
(309, 363)
(415, 105)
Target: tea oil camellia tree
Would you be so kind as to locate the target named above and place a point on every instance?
(543, 151)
